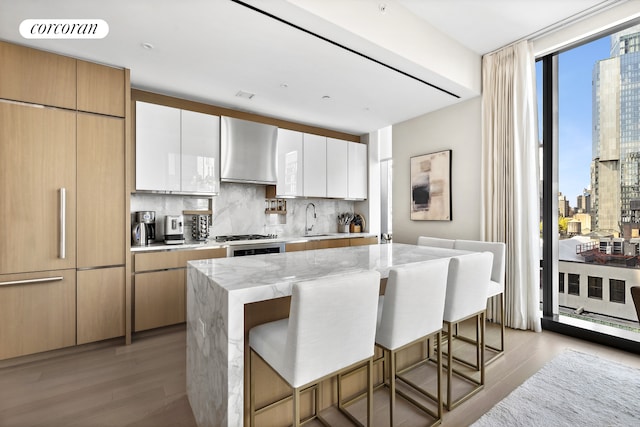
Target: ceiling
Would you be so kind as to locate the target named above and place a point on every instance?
(312, 72)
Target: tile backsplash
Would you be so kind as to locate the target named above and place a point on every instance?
(240, 209)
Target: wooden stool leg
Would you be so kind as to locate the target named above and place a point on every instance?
(296, 407)
(370, 393)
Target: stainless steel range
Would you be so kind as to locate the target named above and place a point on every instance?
(239, 248)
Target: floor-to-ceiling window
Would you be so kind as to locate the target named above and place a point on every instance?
(589, 109)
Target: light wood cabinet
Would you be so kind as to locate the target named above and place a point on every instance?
(159, 286)
(38, 314)
(327, 243)
(361, 241)
(57, 166)
(35, 76)
(37, 161)
(295, 247)
(101, 304)
(330, 243)
(173, 259)
(101, 89)
(101, 191)
(159, 299)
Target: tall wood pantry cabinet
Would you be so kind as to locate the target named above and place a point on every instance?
(62, 186)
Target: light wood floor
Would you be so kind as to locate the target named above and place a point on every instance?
(144, 384)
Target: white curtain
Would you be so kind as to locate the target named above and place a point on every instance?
(510, 198)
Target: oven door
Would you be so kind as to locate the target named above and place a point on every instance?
(255, 249)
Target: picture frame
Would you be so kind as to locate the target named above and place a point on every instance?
(431, 186)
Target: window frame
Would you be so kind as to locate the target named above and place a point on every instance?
(594, 287)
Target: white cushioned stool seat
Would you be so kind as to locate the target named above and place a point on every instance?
(436, 242)
(412, 310)
(496, 284)
(467, 288)
(331, 326)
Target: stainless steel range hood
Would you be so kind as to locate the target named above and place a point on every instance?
(247, 151)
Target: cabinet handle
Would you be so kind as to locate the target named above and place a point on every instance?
(28, 281)
(63, 222)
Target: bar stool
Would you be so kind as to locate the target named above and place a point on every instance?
(410, 311)
(331, 327)
(496, 285)
(436, 242)
(467, 288)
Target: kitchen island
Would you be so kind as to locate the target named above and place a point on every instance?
(219, 289)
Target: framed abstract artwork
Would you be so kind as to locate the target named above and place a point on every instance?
(431, 186)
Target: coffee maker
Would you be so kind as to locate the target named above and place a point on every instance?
(143, 228)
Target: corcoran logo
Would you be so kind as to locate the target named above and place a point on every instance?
(64, 29)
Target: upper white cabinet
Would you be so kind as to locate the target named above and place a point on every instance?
(290, 161)
(315, 165)
(357, 173)
(200, 152)
(157, 147)
(176, 150)
(337, 163)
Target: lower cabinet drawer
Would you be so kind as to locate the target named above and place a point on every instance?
(37, 312)
(159, 299)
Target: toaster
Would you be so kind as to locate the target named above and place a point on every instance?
(174, 229)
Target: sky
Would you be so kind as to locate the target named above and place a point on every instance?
(575, 69)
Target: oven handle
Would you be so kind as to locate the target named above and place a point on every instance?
(236, 250)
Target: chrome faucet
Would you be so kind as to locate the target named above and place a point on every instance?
(307, 229)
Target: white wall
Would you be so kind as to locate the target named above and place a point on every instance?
(457, 128)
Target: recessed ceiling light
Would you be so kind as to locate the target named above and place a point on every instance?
(326, 97)
(147, 46)
(382, 7)
(284, 85)
(246, 95)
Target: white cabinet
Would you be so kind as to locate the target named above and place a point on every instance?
(176, 150)
(315, 165)
(357, 171)
(337, 163)
(200, 153)
(157, 147)
(290, 161)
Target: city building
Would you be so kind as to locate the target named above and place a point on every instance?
(584, 202)
(615, 177)
(564, 209)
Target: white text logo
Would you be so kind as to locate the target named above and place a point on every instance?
(64, 29)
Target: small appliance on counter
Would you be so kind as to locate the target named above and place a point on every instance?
(143, 228)
(200, 227)
(174, 229)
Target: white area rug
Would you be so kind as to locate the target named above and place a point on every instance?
(573, 389)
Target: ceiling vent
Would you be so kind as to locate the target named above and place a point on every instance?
(246, 95)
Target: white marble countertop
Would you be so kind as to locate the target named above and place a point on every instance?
(218, 289)
(212, 244)
(275, 273)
